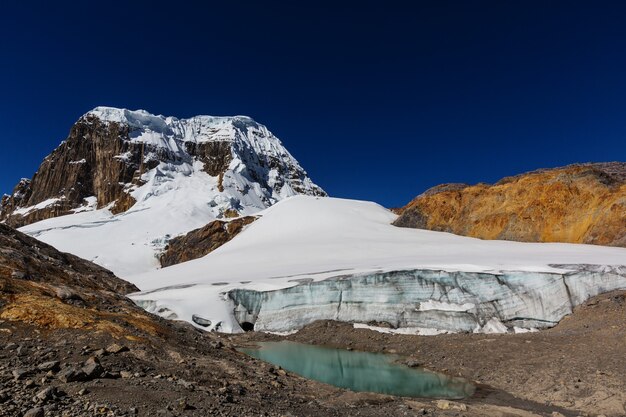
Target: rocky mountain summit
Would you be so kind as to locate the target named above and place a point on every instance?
(582, 203)
(115, 157)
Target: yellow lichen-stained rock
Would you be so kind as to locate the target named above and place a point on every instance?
(583, 203)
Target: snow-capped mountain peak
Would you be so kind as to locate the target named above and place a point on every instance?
(169, 175)
(254, 150)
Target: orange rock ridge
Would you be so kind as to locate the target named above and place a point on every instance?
(582, 203)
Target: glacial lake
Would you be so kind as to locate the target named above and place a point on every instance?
(359, 371)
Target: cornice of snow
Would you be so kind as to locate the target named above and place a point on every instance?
(198, 129)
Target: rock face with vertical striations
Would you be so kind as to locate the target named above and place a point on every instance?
(111, 153)
(583, 203)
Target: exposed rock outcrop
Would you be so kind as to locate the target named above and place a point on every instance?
(583, 203)
(86, 164)
(202, 241)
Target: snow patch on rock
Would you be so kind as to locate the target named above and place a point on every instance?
(46, 203)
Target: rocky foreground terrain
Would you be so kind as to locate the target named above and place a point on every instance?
(73, 345)
(584, 203)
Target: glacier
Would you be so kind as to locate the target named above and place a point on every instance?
(429, 299)
(311, 258)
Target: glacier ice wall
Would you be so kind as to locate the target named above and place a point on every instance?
(442, 300)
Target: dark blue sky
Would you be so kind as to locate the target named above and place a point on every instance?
(377, 100)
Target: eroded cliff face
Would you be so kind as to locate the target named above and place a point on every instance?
(583, 203)
(87, 164)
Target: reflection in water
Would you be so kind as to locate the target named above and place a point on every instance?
(359, 371)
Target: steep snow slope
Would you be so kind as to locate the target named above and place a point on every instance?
(187, 172)
(306, 239)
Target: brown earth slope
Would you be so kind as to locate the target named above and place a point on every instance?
(584, 203)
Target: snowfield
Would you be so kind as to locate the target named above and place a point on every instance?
(278, 274)
(169, 204)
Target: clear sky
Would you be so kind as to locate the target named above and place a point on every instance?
(377, 100)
